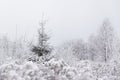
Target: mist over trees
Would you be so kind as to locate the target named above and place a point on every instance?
(101, 46)
(105, 41)
(95, 59)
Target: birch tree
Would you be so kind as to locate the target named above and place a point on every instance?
(105, 41)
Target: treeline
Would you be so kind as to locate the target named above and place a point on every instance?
(13, 49)
(22, 48)
(103, 47)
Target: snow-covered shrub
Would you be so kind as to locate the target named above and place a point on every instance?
(27, 70)
(57, 69)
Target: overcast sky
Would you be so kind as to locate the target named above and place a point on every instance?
(67, 19)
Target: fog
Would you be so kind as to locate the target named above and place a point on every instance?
(67, 19)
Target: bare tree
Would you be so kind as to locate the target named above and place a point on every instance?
(105, 40)
(92, 50)
(6, 45)
(80, 50)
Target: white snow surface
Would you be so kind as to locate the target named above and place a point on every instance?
(56, 69)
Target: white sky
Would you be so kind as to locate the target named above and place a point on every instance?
(68, 19)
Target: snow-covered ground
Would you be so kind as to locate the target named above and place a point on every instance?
(56, 69)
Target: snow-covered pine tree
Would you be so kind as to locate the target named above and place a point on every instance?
(42, 48)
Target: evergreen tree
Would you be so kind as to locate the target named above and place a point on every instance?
(42, 48)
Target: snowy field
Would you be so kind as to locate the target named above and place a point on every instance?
(56, 69)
